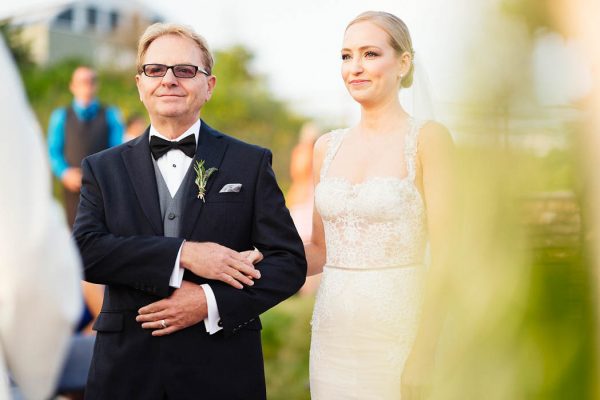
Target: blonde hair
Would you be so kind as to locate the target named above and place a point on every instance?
(398, 34)
(159, 29)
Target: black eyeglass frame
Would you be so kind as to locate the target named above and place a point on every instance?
(172, 67)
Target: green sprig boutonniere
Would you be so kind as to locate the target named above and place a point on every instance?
(202, 176)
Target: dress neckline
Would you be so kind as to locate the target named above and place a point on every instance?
(370, 179)
(409, 150)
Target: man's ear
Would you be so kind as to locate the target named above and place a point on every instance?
(212, 83)
(137, 84)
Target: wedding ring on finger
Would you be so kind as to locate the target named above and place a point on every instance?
(163, 323)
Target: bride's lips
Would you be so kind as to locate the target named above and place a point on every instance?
(358, 82)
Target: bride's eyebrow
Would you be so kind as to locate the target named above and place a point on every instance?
(363, 48)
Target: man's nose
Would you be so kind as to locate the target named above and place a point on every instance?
(169, 78)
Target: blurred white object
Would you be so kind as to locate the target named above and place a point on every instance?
(561, 73)
(40, 274)
(15, 8)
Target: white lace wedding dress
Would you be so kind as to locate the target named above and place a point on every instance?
(368, 305)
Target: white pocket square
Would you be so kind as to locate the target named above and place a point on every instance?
(231, 188)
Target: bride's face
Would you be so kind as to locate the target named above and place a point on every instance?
(371, 68)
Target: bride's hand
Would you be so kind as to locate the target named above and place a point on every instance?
(416, 376)
(254, 256)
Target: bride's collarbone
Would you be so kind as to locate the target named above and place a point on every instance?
(359, 168)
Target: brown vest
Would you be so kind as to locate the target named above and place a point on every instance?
(83, 138)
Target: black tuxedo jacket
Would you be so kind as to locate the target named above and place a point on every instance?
(119, 231)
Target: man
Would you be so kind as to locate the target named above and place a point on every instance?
(39, 268)
(84, 128)
(151, 212)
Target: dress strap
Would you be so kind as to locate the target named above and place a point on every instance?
(335, 140)
(411, 147)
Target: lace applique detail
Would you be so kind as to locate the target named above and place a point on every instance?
(376, 223)
(335, 140)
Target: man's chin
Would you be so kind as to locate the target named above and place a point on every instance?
(168, 112)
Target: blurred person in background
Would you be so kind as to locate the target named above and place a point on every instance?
(300, 195)
(39, 270)
(382, 190)
(134, 126)
(76, 131)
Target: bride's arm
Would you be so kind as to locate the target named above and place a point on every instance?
(436, 181)
(315, 249)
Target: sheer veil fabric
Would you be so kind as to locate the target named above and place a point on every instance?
(417, 100)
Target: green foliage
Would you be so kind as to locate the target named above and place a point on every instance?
(558, 326)
(20, 49)
(242, 106)
(535, 13)
(554, 171)
(286, 342)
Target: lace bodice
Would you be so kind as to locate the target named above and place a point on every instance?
(374, 224)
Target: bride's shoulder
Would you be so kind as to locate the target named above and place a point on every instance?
(323, 142)
(321, 147)
(434, 139)
(433, 134)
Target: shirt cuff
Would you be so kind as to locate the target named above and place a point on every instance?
(177, 274)
(211, 322)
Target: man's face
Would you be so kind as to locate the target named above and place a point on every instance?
(169, 97)
(84, 85)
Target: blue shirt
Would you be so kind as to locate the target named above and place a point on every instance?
(56, 131)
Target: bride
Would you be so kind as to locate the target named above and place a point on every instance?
(380, 193)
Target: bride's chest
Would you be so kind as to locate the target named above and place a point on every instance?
(376, 199)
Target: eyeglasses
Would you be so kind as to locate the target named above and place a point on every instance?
(179, 70)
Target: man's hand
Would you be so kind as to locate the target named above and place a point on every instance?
(213, 261)
(71, 179)
(185, 307)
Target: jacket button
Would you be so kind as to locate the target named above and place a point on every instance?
(220, 323)
(171, 216)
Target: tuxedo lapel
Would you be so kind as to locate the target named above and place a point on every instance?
(210, 149)
(138, 161)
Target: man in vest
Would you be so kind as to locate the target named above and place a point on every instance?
(169, 222)
(84, 128)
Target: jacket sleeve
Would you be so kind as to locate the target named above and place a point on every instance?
(141, 262)
(283, 269)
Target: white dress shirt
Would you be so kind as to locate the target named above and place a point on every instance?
(173, 166)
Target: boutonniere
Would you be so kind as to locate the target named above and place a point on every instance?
(202, 176)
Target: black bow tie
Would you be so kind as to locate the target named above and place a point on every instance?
(160, 147)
